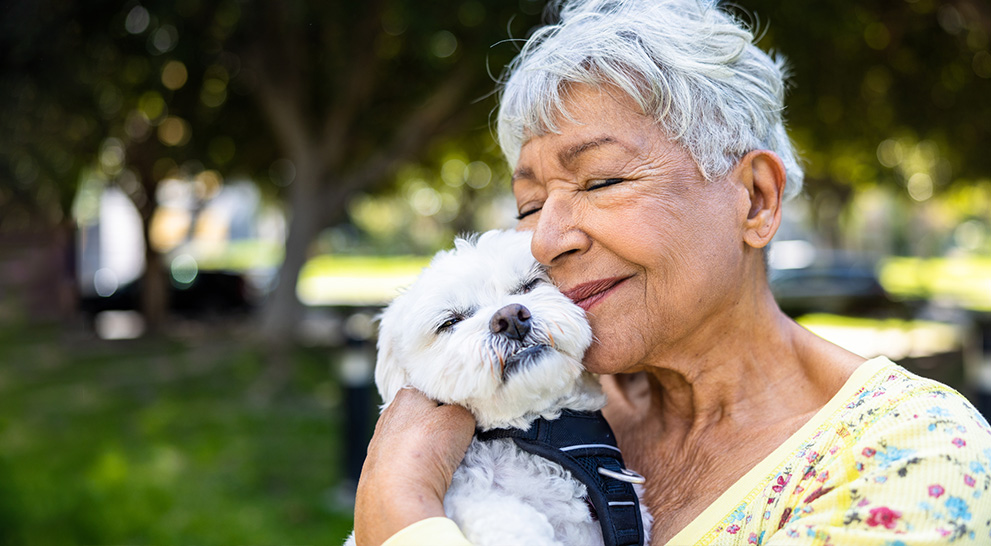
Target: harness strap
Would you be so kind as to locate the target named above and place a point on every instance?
(583, 443)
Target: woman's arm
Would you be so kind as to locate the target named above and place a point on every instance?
(411, 459)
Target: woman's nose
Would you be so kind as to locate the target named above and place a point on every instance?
(557, 234)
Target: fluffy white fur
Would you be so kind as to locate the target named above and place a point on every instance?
(436, 337)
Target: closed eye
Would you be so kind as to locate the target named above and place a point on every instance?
(523, 215)
(448, 324)
(529, 285)
(452, 320)
(599, 184)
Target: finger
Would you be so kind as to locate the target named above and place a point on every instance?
(610, 386)
(628, 395)
(410, 398)
(407, 408)
(616, 395)
(414, 404)
(457, 415)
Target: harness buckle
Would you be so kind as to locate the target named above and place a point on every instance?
(625, 475)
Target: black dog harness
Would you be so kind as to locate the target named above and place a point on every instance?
(584, 444)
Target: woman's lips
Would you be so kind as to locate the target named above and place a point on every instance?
(587, 294)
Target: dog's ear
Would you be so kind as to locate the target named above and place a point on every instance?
(390, 377)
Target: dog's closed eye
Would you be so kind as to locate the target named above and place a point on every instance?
(529, 285)
(451, 320)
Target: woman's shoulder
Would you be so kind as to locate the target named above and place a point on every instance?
(894, 405)
(901, 456)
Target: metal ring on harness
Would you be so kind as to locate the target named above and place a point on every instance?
(627, 476)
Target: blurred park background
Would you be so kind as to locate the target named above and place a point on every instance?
(203, 205)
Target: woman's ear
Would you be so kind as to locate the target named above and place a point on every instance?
(763, 175)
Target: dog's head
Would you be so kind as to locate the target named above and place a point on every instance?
(483, 327)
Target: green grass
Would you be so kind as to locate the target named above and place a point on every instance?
(962, 280)
(165, 442)
(357, 280)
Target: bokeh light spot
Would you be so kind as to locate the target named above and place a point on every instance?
(184, 269)
(105, 282)
(282, 172)
(443, 44)
(478, 174)
(174, 75)
(877, 36)
(152, 106)
(137, 20)
(920, 186)
(426, 201)
(214, 92)
(112, 156)
(890, 153)
(452, 172)
(174, 131)
(207, 184)
(164, 39)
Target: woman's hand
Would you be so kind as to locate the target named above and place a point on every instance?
(411, 459)
(629, 398)
(628, 411)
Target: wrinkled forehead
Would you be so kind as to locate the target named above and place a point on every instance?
(573, 104)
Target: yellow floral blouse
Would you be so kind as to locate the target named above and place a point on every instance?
(892, 460)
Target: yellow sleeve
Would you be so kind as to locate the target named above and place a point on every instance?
(429, 532)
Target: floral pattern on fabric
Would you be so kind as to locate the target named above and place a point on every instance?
(906, 460)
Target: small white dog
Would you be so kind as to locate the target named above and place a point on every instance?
(484, 328)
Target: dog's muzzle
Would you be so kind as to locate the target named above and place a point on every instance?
(511, 325)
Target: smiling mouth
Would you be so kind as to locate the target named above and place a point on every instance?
(522, 359)
(588, 294)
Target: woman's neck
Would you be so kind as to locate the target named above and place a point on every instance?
(769, 370)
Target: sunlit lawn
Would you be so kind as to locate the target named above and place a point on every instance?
(164, 442)
(961, 280)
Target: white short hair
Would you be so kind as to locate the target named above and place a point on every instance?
(687, 63)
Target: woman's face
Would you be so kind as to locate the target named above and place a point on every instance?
(632, 232)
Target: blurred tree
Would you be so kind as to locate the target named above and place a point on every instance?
(354, 90)
(130, 94)
(893, 93)
(323, 101)
(349, 92)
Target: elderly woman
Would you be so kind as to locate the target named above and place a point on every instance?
(651, 162)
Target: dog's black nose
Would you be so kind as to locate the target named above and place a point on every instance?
(512, 321)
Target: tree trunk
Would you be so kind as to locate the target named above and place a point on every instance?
(154, 288)
(154, 304)
(283, 310)
(316, 197)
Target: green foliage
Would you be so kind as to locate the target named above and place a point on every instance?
(158, 442)
(136, 92)
(450, 193)
(77, 73)
(863, 74)
(353, 113)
